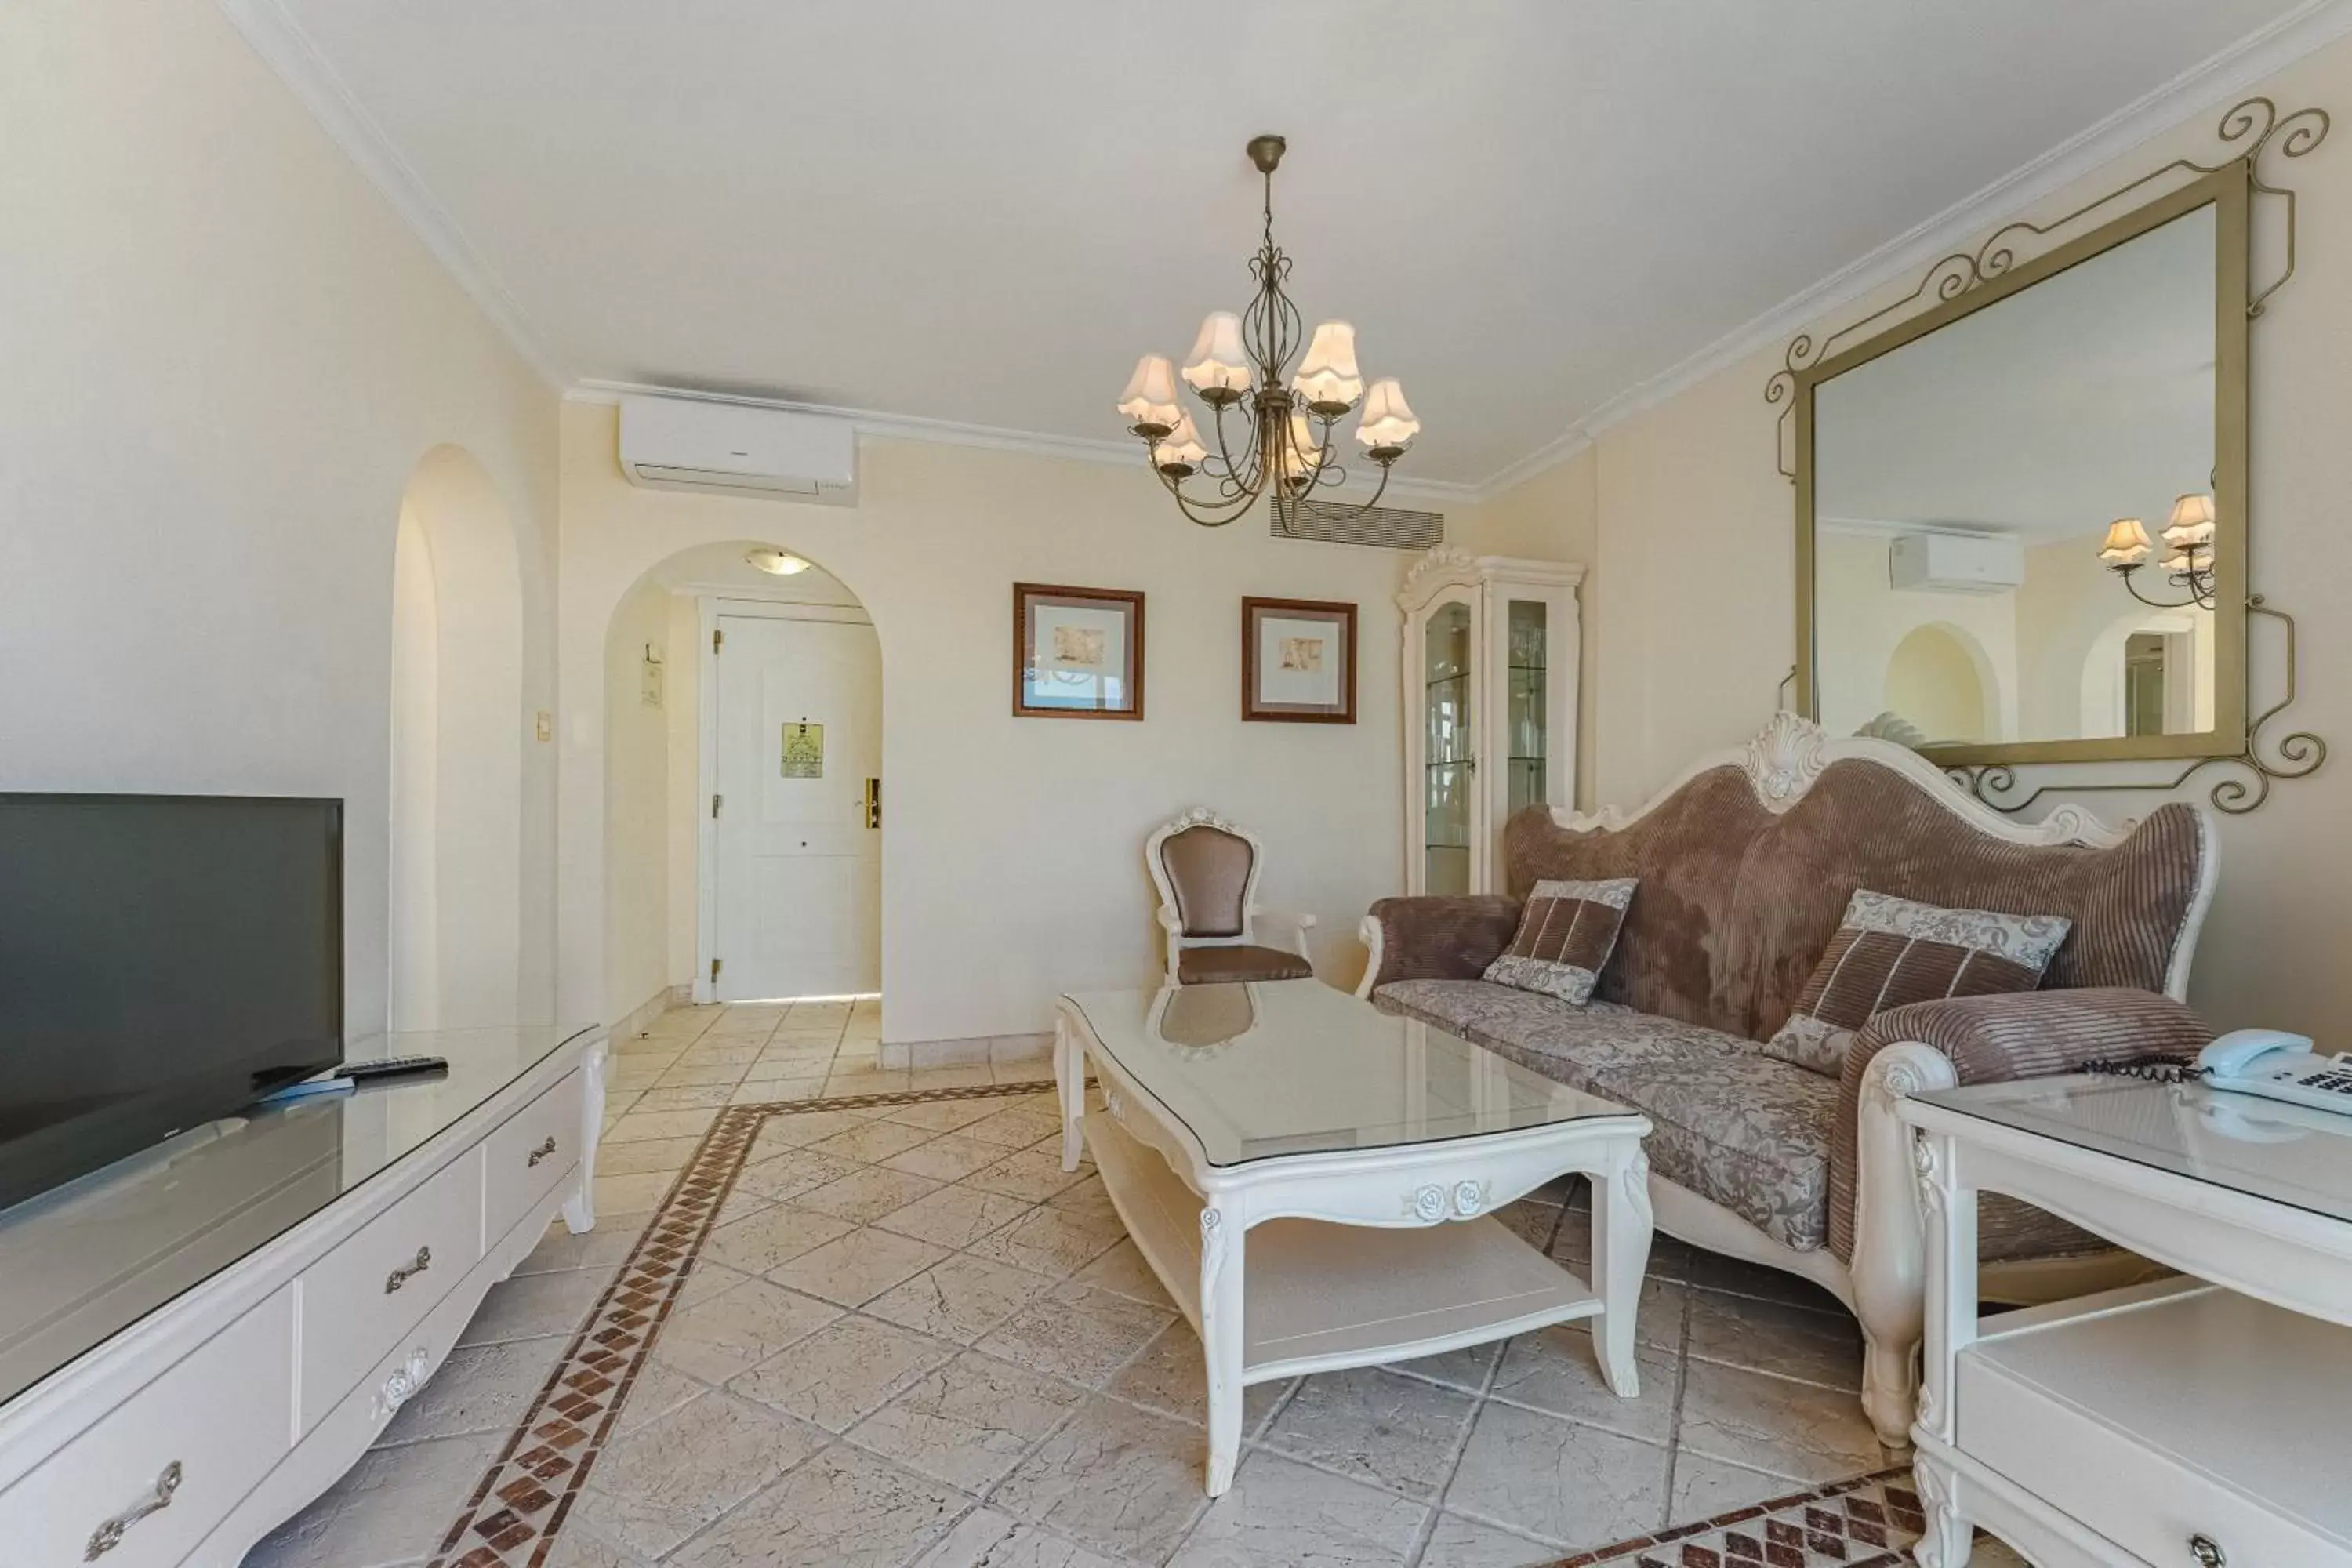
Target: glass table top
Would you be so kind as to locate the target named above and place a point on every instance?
(2285, 1153)
(91, 1257)
(1293, 1066)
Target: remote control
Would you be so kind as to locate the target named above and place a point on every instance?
(365, 1073)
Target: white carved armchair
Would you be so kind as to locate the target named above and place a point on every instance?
(1206, 869)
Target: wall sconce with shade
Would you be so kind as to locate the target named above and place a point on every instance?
(2188, 538)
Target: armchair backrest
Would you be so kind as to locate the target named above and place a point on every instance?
(1209, 872)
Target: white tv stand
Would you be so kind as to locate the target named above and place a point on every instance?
(204, 1344)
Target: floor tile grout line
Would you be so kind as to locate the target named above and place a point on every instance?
(1674, 1416)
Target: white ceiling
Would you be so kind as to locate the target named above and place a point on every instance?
(982, 213)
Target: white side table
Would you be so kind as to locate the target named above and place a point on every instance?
(2193, 1423)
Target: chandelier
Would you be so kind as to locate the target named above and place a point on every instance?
(1284, 444)
(2189, 537)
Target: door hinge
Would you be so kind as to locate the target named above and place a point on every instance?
(716, 966)
(714, 804)
(717, 638)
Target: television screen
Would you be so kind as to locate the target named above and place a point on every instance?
(163, 960)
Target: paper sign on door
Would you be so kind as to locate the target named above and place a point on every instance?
(803, 751)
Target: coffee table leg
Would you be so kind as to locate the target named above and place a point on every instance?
(1221, 1343)
(1070, 1078)
(1620, 1251)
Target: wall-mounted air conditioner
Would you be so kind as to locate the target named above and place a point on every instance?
(1956, 564)
(681, 443)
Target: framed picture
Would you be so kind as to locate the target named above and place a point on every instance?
(1298, 661)
(1077, 653)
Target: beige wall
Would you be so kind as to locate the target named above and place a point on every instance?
(224, 358)
(1694, 623)
(1012, 860)
(638, 806)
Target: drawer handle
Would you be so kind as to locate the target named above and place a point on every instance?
(542, 1152)
(2207, 1550)
(108, 1536)
(407, 1271)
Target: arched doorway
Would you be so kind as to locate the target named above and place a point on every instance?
(458, 739)
(742, 736)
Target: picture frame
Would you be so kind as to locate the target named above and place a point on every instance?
(1077, 653)
(1298, 661)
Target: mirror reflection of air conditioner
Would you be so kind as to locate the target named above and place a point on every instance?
(1956, 564)
(682, 442)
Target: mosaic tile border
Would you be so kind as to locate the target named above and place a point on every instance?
(1866, 1521)
(515, 1514)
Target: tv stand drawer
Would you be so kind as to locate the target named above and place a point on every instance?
(159, 1471)
(359, 1299)
(536, 1148)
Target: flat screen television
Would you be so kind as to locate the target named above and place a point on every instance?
(164, 961)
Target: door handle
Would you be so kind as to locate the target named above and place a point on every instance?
(873, 803)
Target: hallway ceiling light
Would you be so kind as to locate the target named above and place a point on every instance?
(1240, 362)
(778, 561)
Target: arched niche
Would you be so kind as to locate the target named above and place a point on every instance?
(1940, 678)
(458, 735)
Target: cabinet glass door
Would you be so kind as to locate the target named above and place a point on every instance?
(1449, 748)
(1525, 666)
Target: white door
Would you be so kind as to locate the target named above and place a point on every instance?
(796, 863)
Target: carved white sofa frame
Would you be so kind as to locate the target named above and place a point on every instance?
(1171, 921)
(1885, 1284)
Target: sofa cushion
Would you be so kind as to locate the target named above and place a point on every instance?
(1890, 952)
(1566, 930)
(1737, 900)
(1732, 1124)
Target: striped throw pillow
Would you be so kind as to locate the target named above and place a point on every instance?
(1889, 952)
(1566, 930)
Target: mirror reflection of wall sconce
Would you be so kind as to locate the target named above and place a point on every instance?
(2189, 535)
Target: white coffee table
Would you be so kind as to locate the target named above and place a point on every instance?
(1368, 1151)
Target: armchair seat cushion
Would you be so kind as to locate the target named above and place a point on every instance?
(1225, 965)
(1733, 1125)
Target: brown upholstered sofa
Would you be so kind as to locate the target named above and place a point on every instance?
(1745, 865)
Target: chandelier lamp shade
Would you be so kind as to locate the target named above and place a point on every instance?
(2189, 546)
(1280, 443)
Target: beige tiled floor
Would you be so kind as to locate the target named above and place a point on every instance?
(913, 1339)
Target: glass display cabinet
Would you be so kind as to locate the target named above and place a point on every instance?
(1490, 691)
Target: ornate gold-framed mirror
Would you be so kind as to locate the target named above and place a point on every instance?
(1971, 478)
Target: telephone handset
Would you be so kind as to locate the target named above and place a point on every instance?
(2277, 1065)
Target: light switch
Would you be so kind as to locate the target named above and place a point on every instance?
(544, 726)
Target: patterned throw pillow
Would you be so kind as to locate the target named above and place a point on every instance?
(1566, 930)
(1889, 952)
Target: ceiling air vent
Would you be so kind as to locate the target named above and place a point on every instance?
(1389, 527)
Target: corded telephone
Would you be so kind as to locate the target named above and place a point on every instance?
(2277, 1065)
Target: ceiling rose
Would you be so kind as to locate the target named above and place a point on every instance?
(1240, 363)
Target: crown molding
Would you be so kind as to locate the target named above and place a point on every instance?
(321, 88)
(955, 432)
(2204, 87)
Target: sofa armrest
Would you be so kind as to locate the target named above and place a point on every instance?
(2032, 1034)
(1999, 1039)
(1448, 937)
